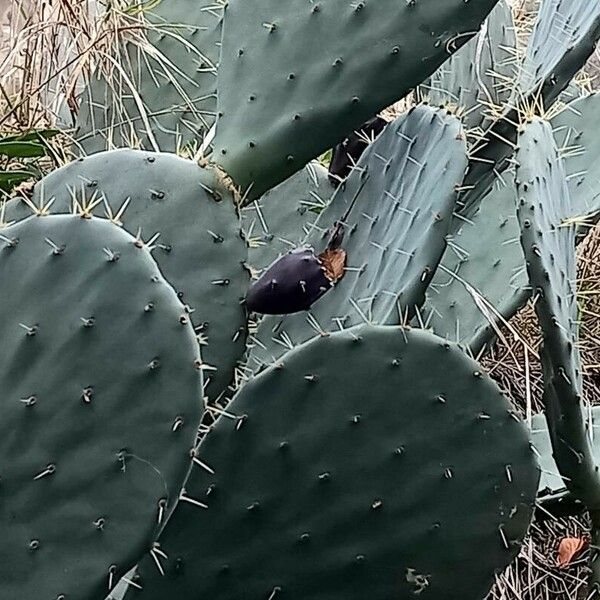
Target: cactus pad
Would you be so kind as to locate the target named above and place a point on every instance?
(199, 250)
(399, 201)
(549, 248)
(100, 403)
(281, 219)
(563, 38)
(329, 482)
(581, 149)
(551, 483)
(481, 281)
(281, 104)
(475, 78)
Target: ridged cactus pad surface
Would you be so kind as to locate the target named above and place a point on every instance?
(563, 38)
(549, 247)
(396, 207)
(476, 79)
(280, 220)
(580, 148)
(552, 484)
(101, 398)
(481, 281)
(374, 463)
(199, 247)
(281, 103)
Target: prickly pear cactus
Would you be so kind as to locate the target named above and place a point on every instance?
(194, 228)
(549, 247)
(354, 60)
(548, 240)
(580, 149)
(161, 93)
(476, 79)
(101, 399)
(552, 485)
(396, 208)
(481, 281)
(283, 217)
(328, 486)
(563, 38)
(323, 477)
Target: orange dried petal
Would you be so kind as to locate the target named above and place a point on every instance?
(334, 262)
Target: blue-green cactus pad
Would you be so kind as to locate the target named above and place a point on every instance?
(481, 281)
(280, 220)
(576, 137)
(296, 77)
(377, 463)
(548, 242)
(199, 250)
(551, 483)
(100, 399)
(401, 196)
(486, 252)
(563, 38)
(477, 77)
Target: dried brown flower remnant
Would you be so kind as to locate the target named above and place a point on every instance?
(334, 262)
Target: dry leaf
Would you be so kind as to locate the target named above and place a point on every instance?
(334, 262)
(569, 548)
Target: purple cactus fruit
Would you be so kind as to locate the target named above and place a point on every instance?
(295, 281)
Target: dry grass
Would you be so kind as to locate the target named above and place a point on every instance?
(41, 58)
(48, 51)
(534, 575)
(518, 370)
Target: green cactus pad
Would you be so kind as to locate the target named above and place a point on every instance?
(478, 80)
(488, 253)
(563, 38)
(281, 104)
(549, 248)
(401, 196)
(551, 483)
(163, 95)
(572, 92)
(479, 74)
(481, 281)
(282, 218)
(580, 148)
(119, 591)
(375, 463)
(200, 250)
(100, 404)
